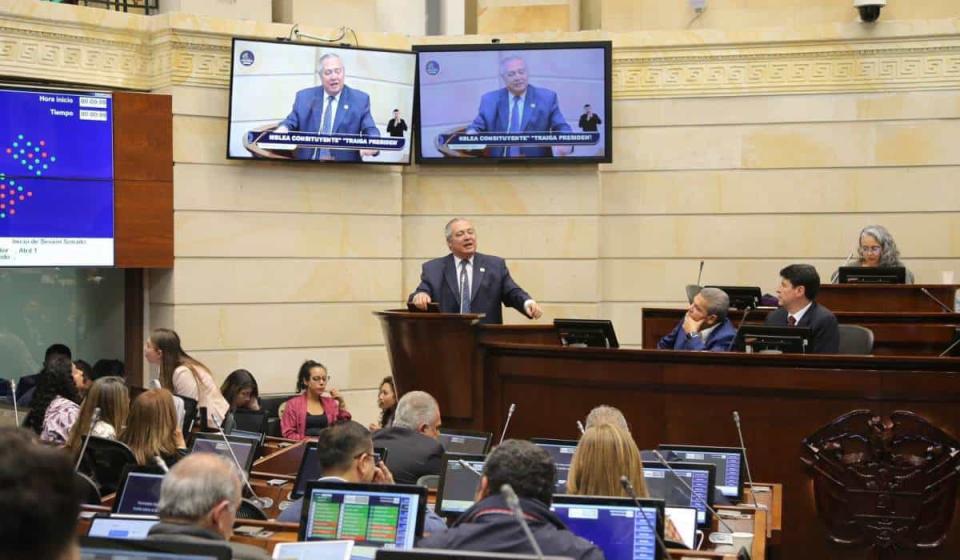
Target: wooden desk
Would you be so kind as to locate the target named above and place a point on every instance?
(896, 334)
(885, 297)
(772, 500)
(284, 461)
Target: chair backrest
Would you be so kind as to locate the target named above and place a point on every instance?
(189, 414)
(855, 339)
(429, 481)
(106, 458)
(272, 406)
(89, 492)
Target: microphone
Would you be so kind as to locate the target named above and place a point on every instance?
(942, 305)
(513, 407)
(158, 461)
(746, 463)
(580, 427)
(693, 495)
(746, 313)
(628, 488)
(13, 395)
(94, 418)
(156, 384)
(262, 502)
(513, 502)
(469, 467)
(700, 272)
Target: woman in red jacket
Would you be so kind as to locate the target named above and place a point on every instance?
(315, 408)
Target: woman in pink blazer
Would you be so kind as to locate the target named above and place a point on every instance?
(314, 408)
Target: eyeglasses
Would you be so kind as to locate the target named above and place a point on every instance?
(874, 249)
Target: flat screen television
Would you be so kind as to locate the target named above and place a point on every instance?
(318, 103)
(872, 275)
(56, 178)
(543, 102)
(586, 333)
(763, 339)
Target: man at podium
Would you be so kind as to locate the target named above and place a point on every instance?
(466, 281)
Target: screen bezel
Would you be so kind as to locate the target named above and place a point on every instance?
(607, 47)
(216, 437)
(444, 461)
(659, 523)
(711, 482)
(713, 449)
(413, 111)
(784, 332)
(488, 437)
(309, 452)
(120, 517)
(879, 272)
(347, 487)
(122, 487)
(572, 326)
(218, 551)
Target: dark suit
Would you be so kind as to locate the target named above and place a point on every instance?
(541, 113)
(718, 340)
(352, 117)
(491, 285)
(820, 320)
(410, 454)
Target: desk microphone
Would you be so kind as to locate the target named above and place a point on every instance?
(262, 502)
(513, 407)
(94, 418)
(514, 504)
(753, 494)
(469, 467)
(942, 305)
(746, 313)
(700, 272)
(158, 461)
(628, 488)
(13, 394)
(580, 427)
(691, 494)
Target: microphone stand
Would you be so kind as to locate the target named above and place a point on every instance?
(514, 504)
(946, 308)
(628, 488)
(691, 494)
(746, 313)
(513, 407)
(949, 348)
(469, 467)
(580, 427)
(13, 394)
(263, 502)
(94, 418)
(158, 460)
(753, 494)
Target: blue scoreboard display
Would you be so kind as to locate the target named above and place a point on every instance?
(56, 178)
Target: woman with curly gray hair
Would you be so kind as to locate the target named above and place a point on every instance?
(876, 248)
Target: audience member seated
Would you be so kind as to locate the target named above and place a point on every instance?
(152, 429)
(875, 247)
(387, 401)
(606, 414)
(315, 408)
(797, 294)
(41, 501)
(54, 409)
(83, 377)
(111, 396)
(705, 327)
(109, 368)
(241, 391)
(413, 441)
(489, 526)
(199, 498)
(182, 375)
(27, 385)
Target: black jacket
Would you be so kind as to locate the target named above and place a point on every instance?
(187, 533)
(410, 454)
(489, 526)
(820, 320)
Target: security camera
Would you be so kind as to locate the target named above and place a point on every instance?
(869, 9)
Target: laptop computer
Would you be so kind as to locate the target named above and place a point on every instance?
(116, 526)
(465, 441)
(243, 447)
(94, 548)
(561, 450)
(684, 520)
(663, 484)
(617, 526)
(459, 479)
(139, 491)
(728, 460)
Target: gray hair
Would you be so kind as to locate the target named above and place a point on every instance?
(718, 302)
(448, 229)
(511, 58)
(889, 254)
(196, 484)
(415, 409)
(606, 414)
(325, 57)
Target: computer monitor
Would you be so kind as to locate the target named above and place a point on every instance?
(244, 448)
(584, 333)
(310, 467)
(872, 275)
(139, 491)
(430, 554)
(116, 526)
(465, 441)
(459, 479)
(561, 450)
(741, 297)
(684, 519)
(95, 548)
(371, 515)
(663, 484)
(617, 526)
(728, 460)
(763, 339)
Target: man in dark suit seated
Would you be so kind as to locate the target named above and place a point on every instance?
(413, 441)
(466, 281)
(797, 294)
(705, 327)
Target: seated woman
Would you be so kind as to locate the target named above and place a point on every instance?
(152, 429)
(876, 248)
(314, 408)
(182, 375)
(54, 408)
(111, 396)
(241, 391)
(83, 376)
(387, 401)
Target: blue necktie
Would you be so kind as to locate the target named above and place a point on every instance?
(464, 287)
(326, 126)
(514, 151)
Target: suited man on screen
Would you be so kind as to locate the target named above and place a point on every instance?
(799, 285)
(521, 107)
(466, 281)
(331, 108)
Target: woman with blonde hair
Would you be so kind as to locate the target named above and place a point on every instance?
(111, 396)
(183, 375)
(605, 453)
(152, 429)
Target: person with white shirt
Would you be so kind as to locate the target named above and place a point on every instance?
(799, 284)
(466, 281)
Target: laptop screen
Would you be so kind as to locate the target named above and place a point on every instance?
(139, 494)
(118, 527)
(456, 441)
(243, 448)
(616, 525)
(93, 548)
(684, 519)
(371, 515)
(663, 484)
(458, 482)
(728, 460)
(561, 450)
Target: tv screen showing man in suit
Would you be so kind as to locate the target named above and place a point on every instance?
(290, 101)
(514, 102)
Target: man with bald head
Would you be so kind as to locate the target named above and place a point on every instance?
(466, 281)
